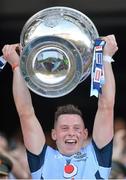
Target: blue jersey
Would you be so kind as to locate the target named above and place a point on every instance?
(89, 163)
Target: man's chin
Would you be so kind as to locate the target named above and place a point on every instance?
(71, 151)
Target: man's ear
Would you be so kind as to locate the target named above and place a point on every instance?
(53, 134)
(85, 133)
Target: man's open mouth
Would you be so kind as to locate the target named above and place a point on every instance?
(70, 141)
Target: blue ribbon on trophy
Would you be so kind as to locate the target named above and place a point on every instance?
(2, 63)
(97, 72)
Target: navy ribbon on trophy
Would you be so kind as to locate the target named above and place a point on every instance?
(2, 63)
(97, 74)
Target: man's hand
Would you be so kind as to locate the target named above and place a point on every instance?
(110, 46)
(10, 53)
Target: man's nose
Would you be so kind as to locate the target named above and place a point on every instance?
(71, 131)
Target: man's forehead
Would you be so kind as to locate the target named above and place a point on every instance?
(70, 118)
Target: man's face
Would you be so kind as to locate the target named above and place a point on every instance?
(69, 133)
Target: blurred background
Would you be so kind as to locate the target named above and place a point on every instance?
(108, 16)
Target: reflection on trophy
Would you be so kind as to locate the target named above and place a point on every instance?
(57, 50)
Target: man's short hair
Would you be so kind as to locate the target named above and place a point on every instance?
(67, 109)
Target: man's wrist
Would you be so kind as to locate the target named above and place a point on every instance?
(14, 66)
(108, 59)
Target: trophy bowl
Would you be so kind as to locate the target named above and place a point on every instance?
(57, 50)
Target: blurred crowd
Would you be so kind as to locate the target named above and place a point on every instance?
(119, 150)
(13, 159)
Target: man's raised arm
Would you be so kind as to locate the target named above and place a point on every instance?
(103, 124)
(33, 135)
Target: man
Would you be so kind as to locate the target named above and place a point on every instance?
(71, 160)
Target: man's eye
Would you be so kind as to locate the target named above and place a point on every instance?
(64, 127)
(77, 128)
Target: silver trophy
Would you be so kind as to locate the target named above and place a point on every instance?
(57, 50)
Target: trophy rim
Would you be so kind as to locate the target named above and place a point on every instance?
(59, 8)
